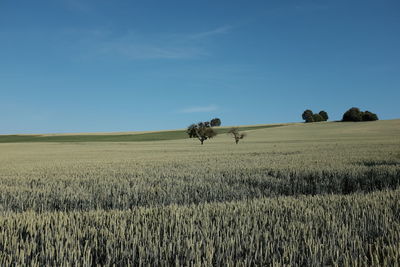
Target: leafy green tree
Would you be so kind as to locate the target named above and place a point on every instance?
(201, 131)
(324, 115)
(308, 116)
(234, 131)
(353, 114)
(317, 118)
(215, 122)
(369, 116)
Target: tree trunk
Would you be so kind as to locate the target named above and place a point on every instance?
(237, 141)
(201, 141)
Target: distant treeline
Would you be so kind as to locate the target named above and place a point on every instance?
(309, 116)
(353, 114)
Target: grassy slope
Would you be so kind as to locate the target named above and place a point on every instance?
(150, 136)
(332, 131)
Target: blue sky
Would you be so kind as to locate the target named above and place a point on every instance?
(83, 66)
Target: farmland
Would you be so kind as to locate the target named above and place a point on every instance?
(305, 194)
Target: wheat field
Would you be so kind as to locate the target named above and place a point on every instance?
(299, 194)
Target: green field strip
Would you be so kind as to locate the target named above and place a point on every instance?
(152, 136)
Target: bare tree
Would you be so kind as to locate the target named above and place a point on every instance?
(234, 131)
(201, 131)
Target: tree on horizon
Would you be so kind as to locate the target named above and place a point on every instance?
(201, 131)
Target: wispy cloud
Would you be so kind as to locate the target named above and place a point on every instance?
(138, 46)
(199, 109)
(217, 31)
(133, 48)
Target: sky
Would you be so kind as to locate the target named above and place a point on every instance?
(103, 66)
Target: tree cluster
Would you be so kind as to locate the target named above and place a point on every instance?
(201, 131)
(309, 116)
(204, 130)
(355, 114)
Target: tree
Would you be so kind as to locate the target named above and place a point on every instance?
(234, 131)
(201, 131)
(215, 122)
(353, 114)
(369, 116)
(307, 116)
(324, 115)
(317, 118)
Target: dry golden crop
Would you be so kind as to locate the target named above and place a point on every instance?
(291, 195)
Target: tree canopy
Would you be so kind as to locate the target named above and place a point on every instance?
(355, 114)
(309, 116)
(215, 122)
(324, 115)
(201, 131)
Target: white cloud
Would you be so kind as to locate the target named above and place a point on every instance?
(199, 109)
